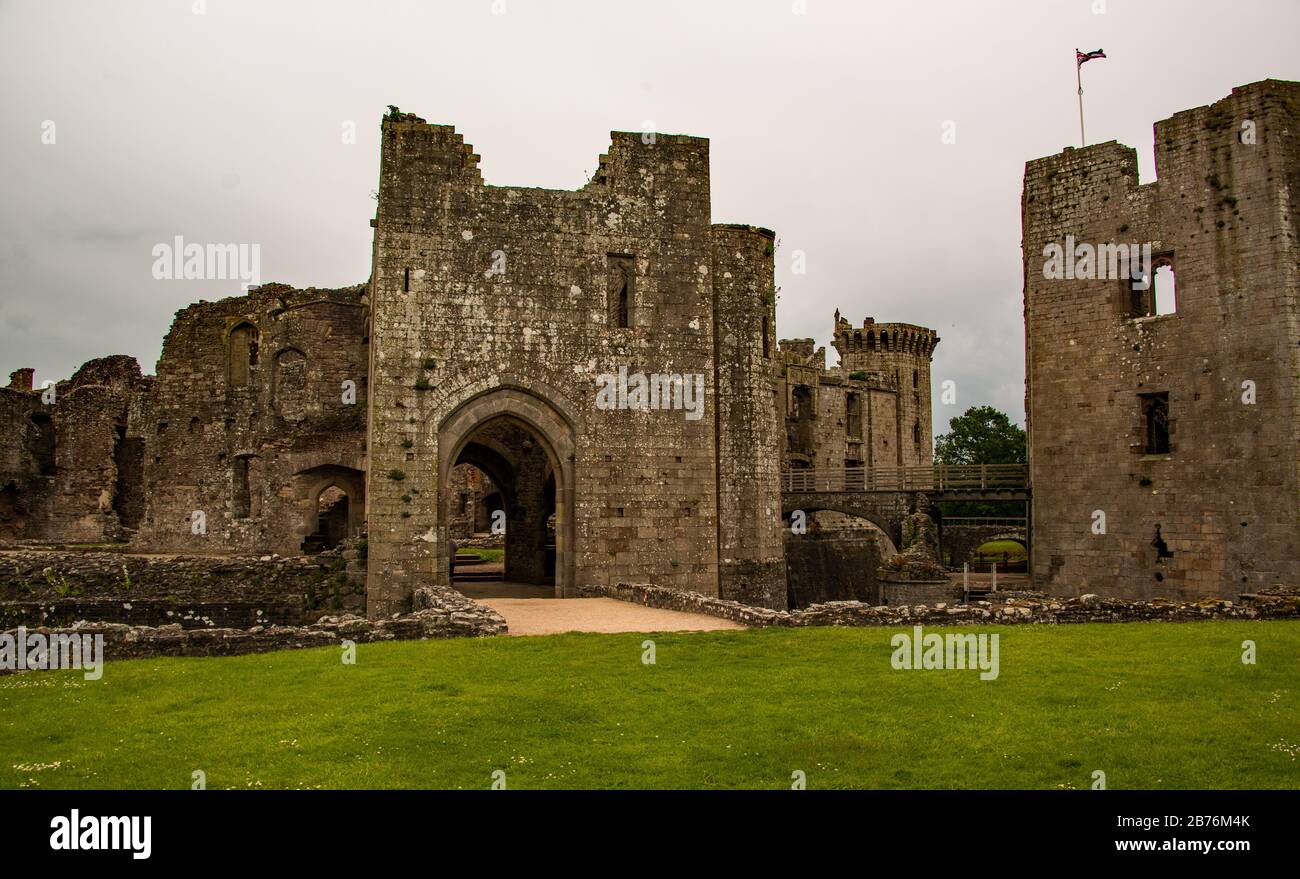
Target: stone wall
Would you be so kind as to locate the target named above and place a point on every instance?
(901, 353)
(752, 566)
(903, 591)
(474, 498)
(258, 408)
(286, 420)
(832, 566)
(444, 614)
(836, 417)
(1276, 602)
(1214, 509)
(53, 587)
(71, 458)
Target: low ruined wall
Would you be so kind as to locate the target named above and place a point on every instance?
(446, 614)
(54, 587)
(151, 612)
(1279, 602)
(831, 567)
(898, 591)
(495, 541)
(689, 602)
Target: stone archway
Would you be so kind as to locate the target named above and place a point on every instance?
(885, 510)
(345, 491)
(555, 436)
(837, 560)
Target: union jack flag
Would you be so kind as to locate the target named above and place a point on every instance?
(1080, 57)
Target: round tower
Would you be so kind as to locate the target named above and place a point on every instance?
(901, 352)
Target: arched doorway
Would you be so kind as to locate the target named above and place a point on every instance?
(515, 458)
(333, 503)
(526, 448)
(332, 521)
(1010, 552)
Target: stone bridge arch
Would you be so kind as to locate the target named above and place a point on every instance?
(885, 510)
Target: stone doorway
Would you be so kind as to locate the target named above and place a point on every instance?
(516, 460)
(525, 448)
(334, 506)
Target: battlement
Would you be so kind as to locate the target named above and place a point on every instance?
(1258, 115)
(874, 337)
(631, 148)
(744, 229)
(418, 152)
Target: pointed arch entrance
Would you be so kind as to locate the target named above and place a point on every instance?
(527, 447)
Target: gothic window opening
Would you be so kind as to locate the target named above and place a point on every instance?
(800, 426)
(1164, 287)
(290, 384)
(241, 355)
(1152, 290)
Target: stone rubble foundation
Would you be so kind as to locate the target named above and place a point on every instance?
(443, 613)
(1277, 602)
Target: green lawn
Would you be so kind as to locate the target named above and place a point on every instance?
(1152, 705)
(485, 553)
(995, 549)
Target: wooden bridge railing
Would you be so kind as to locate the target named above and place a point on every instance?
(940, 477)
(1010, 522)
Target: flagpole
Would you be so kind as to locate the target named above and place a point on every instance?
(1078, 77)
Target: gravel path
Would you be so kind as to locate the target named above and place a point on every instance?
(546, 615)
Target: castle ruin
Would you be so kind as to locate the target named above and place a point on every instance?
(601, 366)
(1163, 430)
(287, 420)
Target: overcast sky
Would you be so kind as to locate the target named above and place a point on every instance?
(826, 126)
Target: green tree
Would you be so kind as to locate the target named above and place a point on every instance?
(982, 436)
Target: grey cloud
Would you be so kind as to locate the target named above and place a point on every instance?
(825, 127)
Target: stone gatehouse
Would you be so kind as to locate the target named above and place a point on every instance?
(606, 359)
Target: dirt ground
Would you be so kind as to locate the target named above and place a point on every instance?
(534, 610)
